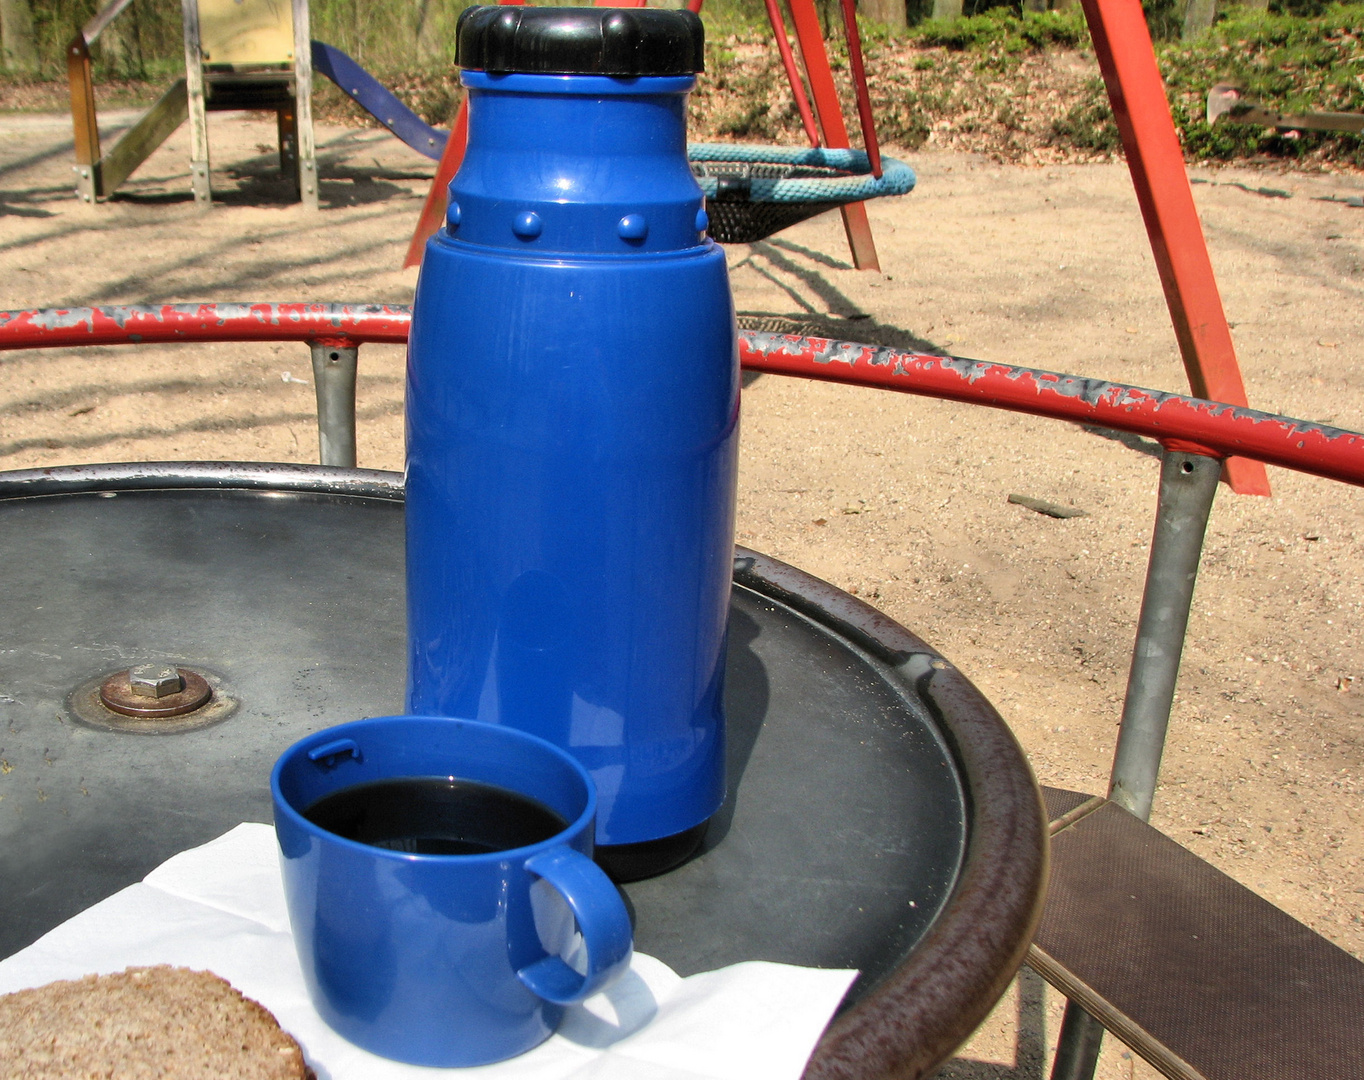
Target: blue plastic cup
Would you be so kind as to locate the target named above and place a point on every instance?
(445, 960)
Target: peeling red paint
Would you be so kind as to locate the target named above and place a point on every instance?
(1191, 425)
(353, 323)
(1180, 423)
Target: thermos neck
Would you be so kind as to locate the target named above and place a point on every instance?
(585, 164)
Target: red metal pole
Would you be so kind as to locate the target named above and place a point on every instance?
(788, 61)
(1179, 423)
(344, 324)
(1127, 60)
(433, 210)
(859, 74)
(805, 20)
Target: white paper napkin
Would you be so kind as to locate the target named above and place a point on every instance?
(221, 908)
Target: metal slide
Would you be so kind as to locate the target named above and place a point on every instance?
(367, 92)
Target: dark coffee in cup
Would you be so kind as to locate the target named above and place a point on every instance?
(435, 815)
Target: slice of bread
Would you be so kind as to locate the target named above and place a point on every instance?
(148, 1022)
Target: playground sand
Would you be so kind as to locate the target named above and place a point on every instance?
(898, 499)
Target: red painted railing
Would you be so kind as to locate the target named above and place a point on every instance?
(339, 324)
(1178, 422)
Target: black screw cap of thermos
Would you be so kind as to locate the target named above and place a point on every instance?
(621, 42)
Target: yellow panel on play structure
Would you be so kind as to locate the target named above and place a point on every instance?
(246, 32)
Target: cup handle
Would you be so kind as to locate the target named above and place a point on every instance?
(602, 920)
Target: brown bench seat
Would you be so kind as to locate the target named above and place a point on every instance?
(1199, 975)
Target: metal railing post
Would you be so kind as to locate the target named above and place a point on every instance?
(1188, 483)
(1077, 1049)
(334, 368)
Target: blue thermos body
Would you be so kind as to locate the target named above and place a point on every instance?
(572, 421)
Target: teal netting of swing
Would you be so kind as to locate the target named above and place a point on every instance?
(755, 191)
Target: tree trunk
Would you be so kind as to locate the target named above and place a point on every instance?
(16, 28)
(947, 9)
(887, 12)
(122, 46)
(428, 43)
(1198, 17)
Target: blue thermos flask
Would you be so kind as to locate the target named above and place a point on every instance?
(572, 421)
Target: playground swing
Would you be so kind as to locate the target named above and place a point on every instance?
(755, 191)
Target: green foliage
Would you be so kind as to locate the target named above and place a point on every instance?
(1088, 124)
(55, 22)
(1003, 31)
(1164, 18)
(1285, 60)
(1282, 61)
(146, 41)
(387, 36)
(1307, 9)
(728, 17)
(907, 118)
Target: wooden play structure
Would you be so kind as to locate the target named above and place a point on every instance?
(239, 54)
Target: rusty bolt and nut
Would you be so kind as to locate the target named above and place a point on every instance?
(155, 680)
(155, 690)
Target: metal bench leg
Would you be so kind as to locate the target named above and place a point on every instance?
(334, 368)
(1188, 483)
(1077, 1052)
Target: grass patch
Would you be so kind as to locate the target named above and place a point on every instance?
(1088, 124)
(1288, 63)
(1309, 59)
(1003, 32)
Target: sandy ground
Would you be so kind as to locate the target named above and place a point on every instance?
(899, 499)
